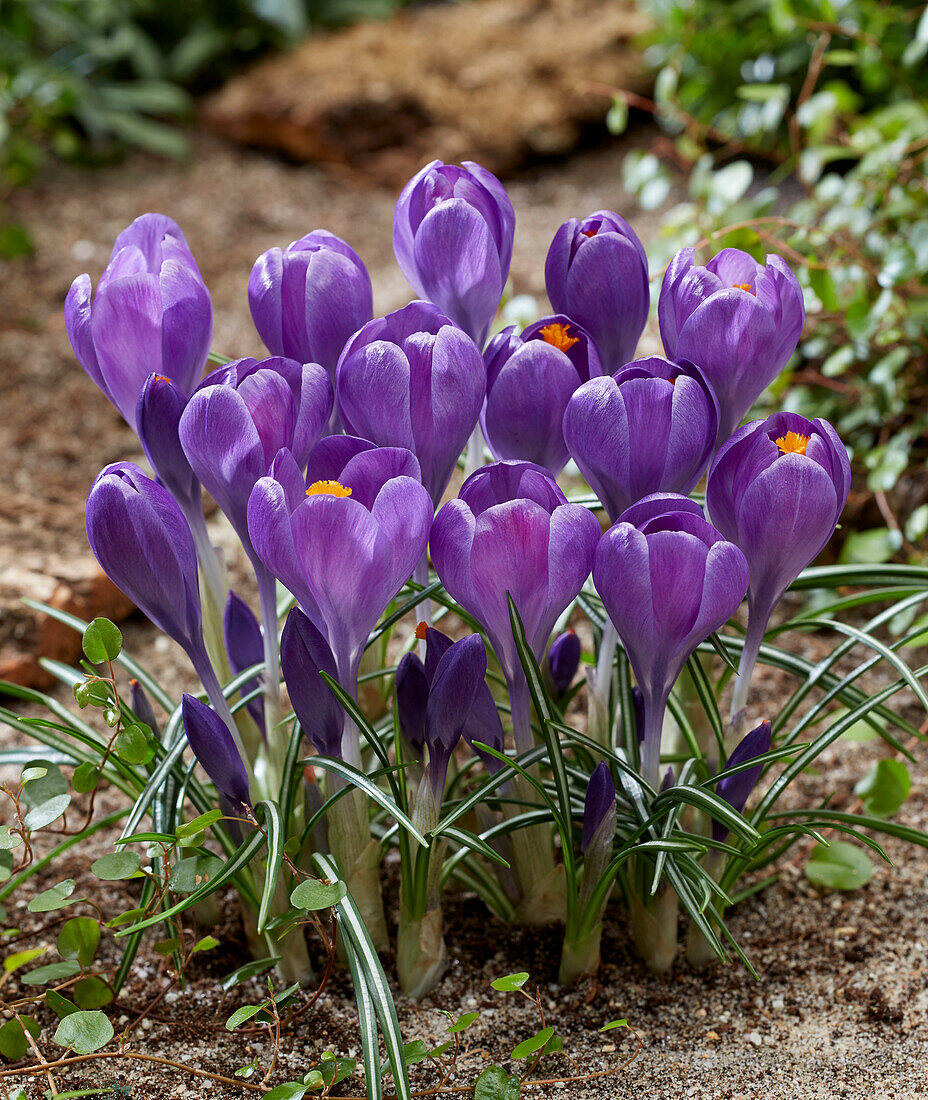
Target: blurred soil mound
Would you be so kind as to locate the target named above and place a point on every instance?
(502, 82)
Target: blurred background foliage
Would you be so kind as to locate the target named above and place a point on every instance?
(801, 127)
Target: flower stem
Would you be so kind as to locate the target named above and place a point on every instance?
(753, 639)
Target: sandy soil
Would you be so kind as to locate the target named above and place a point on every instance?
(842, 1006)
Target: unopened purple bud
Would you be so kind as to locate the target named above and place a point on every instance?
(412, 695)
(214, 746)
(307, 300)
(452, 236)
(736, 788)
(564, 660)
(668, 781)
(304, 654)
(245, 647)
(599, 807)
(143, 543)
(638, 712)
(142, 708)
(458, 678)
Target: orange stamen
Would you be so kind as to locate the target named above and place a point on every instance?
(793, 443)
(328, 488)
(163, 378)
(588, 232)
(558, 336)
(421, 629)
(744, 286)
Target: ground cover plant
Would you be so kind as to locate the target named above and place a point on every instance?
(471, 617)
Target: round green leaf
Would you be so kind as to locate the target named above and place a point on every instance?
(496, 1084)
(48, 812)
(116, 866)
(842, 866)
(313, 894)
(85, 1032)
(92, 992)
(885, 787)
(289, 1090)
(42, 780)
(85, 777)
(510, 983)
(78, 939)
(533, 1045)
(101, 642)
(50, 900)
(240, 1015)
(54, 972)
(61, 1006)
(462, 1023)
(132, 745)
(13, 1042)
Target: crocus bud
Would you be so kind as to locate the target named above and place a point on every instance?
(151, 314)
(776, 489)
(667, 584)
(214, 747)
(512, 531)
(413, 379)
(736, 788)
(304, 654)
(599, 808)
(143, 544)
(160, 407)
(530, 379)
(307, 300)
(459, 676)
(245, 648)
(638, 712)
(597, 273)
(650, 427)
(412, 694)
(142, 708)
(739, 321)
(242, 416)
(452, 236)
(563, 661)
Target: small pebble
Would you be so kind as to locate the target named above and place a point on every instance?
(754, 1037)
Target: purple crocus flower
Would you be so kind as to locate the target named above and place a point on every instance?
(151, 314)
(307, 300)
(776, 489)
(142, 708)
(563, 661)
(304, 654)
(243, 414)
(650, 427)
(530, 379)
(452, 236)
(343, 547)
(667, 582)
(512, 531)
(597, 273)
(214, 746)
(736, 788)
(737, 319)
(245, 647)
(413, 379)
(143, 543)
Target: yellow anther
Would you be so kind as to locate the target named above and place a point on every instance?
(558, 336)
(793, 443)
(745, 286)
(328, 488)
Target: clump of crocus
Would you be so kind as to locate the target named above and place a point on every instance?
(309, 298)
(738, 320)
(667, 580)
(452, 236)
(512, 533)
(151, 314)
(776, 489)
(413, 379)
(649, 428)
(530, 379)
(596, 273)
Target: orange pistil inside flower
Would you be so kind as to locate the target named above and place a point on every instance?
(745, 286)
(162, 378)
(421, 630)
(588, 232)
(558, 336)
(793, 443)
(328, 488)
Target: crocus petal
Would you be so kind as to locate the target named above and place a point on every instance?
(77, 322)
(600, 799)
(304, 654)
(126, 327)
(736, 788)
(245, 647)
(412, 693)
